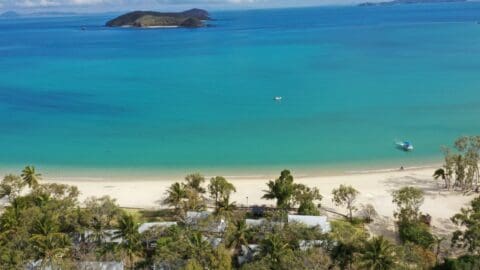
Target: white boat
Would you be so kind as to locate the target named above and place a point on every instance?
(277, 98)
(405, 146)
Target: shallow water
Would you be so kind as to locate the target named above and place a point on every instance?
(353, 80)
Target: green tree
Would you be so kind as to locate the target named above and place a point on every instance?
(461, 165)
(31, 177)
(345, 240)
(413, 256)
(195, 182)
(11, 186)
(346, 196)
(408, 201)
(417, 233)
(103, 210)
(220, 190)
(308, 200)
(273, 248)
(311, 259)
(221, 259)
(193, 264)
(470, 219)
(377, 254)
(282, 190)
(193, 200)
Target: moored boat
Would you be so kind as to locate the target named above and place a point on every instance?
(405, 146)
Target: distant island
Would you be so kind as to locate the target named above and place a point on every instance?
(148, 19)
(403, 2)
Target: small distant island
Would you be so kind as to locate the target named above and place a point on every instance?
(151, 19)
(406, 2)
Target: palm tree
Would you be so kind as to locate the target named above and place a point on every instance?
(343, 255)
(198, 247)
(225, 207)
(282, 189)
(440, 173)
(31, 177)
(176, 193)
(50, 244)
(274, 248)
(52, 248)
(377, 254)
(99, 232)
(239, 236)
(127, 230)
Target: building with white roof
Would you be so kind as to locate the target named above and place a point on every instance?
(312, 221)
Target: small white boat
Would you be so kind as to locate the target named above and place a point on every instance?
(277, 98)
(405, 146)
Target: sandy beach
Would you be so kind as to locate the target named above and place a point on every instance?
(375, 188)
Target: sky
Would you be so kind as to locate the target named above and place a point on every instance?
(124, 5)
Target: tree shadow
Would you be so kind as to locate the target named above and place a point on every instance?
(384, 225)
(430, 187)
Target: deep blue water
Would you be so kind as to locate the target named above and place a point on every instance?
(353, 80)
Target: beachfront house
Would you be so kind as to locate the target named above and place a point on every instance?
(312, 221)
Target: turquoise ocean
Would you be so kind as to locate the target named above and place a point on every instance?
(353, 80)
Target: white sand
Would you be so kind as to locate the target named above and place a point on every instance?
(375, 188)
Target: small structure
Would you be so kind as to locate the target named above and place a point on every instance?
(248, 253)
(195, 219)
(308, 244)
(148, 225)
(312, 221)
(215, 241)
(254, 222)
(100, 266)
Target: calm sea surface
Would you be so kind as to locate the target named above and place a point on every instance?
(353, 80)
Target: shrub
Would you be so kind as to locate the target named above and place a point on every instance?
(466, 262)
(417, 233)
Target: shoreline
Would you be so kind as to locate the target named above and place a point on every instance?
(151, 173)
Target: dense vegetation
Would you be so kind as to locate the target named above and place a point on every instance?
(47, 225)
